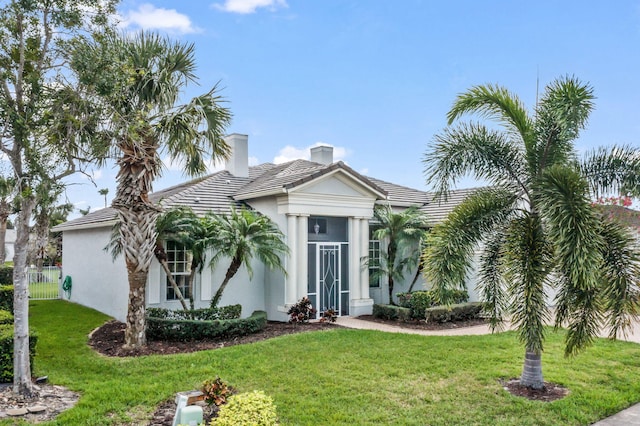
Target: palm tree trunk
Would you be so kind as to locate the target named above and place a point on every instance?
(233, 268)
(532, 370)
(415, 277)
(391, 258)
(22, 384)
(162, 259)
(135, 334)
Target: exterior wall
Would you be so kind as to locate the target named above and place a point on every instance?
(9, 243)
(97, 281)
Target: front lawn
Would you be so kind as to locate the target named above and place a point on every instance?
(341, 376)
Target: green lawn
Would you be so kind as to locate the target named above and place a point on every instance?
(340, 377)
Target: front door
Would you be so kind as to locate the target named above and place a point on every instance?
(328, 277)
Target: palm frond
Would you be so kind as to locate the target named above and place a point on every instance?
(614, 169)
(473, 149)
(621, 278)
(448, 260)
(560, 116)
(491, 284)
(527, 260)
(573, 229)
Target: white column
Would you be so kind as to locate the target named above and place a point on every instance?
(302, 257)
(354, 258)
(292, 276)
(364, 247)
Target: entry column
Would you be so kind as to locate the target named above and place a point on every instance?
(292, 272)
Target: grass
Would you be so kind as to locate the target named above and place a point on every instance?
(340, 377)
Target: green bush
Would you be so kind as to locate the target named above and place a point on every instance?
(6, 274)
(459, 312)
(391, 312)
(247, 409)
(6, 297)
(6, 352)
(206, 314)
(6, 317)
(418, 301)
(184, 330)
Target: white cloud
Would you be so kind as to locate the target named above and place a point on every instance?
(150, 17)
(289, 153)
(249, 6)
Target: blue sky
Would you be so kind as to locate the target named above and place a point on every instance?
(375, 78)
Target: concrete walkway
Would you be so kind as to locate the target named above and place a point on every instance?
(628, 417)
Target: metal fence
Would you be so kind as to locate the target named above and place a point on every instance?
(44, 284)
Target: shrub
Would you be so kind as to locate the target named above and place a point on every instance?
(252, 408)
(6, 297)
(206, 314)
(6, 274)
(302, 311)
(459, 312)
(419, 301)
(329, 315)
(391, 312)
(216, 392)
(6, 352)
(188, 329)
(6, 317)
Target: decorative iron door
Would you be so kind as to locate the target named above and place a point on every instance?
(329, 275)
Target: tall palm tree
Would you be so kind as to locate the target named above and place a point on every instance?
(535, 221)
(104, 192)
(241, 236)
(403, 232)
(141, 80)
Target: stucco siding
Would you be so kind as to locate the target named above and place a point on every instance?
(97, 281)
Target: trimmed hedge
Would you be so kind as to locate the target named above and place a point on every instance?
(183, 330)
(6, 297)
(206, 314)
(6, 274)
(459, 312)
(6, 317)
(391, 312)
(418, 301)
(6, 352)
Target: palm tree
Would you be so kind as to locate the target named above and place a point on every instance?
(535, 221)
(142, 78)
(104, 192)
(403, 231)
(241, 236)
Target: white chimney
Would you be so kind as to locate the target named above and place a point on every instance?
(238, 162)
(322, 154)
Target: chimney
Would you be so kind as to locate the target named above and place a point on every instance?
(238, 162)
(322, 154)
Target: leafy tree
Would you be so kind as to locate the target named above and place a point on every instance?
(139, 80)
(44, 123)
(535, 221)
(241, 236)
(403, 232)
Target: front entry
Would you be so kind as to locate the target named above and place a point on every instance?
(328, 277)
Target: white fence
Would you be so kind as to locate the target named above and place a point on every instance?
(45, 284)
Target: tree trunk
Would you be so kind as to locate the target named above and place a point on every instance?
(391, 259)
(173, 283)
(233, 268)
(135, 334)
(415, 278)
(3, 239)
(532, 370)
(22, 384)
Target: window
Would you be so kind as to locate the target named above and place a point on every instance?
(179, 260)
(374, 263)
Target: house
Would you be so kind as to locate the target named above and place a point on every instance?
(323, 207)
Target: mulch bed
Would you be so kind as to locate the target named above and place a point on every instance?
(550, 391)
(108, 339)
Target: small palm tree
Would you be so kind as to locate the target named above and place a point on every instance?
(140, 80)
(536, 224)
(104, 192)
(403, 232)
(241, 236)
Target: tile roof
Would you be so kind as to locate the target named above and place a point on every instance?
(220, 190)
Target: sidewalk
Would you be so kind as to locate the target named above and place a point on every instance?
(628, 417)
